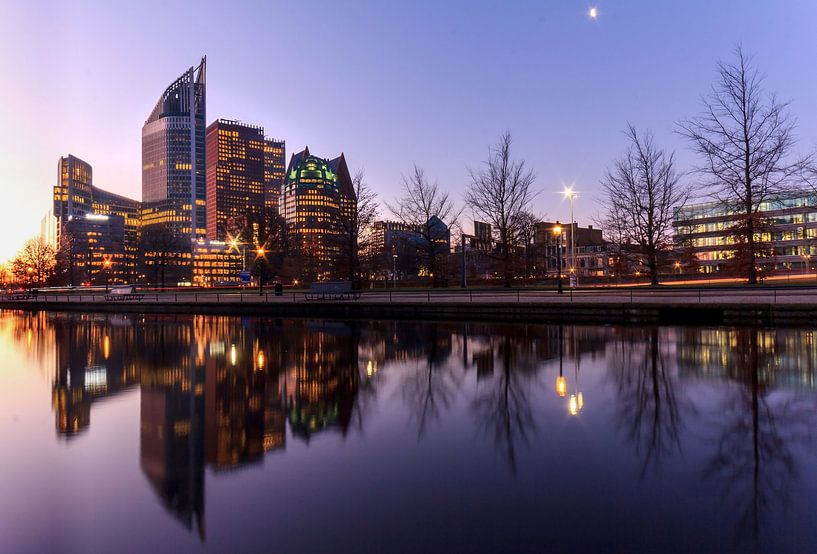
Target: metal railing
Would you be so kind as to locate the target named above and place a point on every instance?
(629, 295)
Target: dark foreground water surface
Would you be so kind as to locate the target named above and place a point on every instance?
(188, 433)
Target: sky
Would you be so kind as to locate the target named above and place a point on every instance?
(390, 84)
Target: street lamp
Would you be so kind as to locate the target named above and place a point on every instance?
(678, 267)
(106, 264)
(394, 271)
(570, 194)
(259, 269)
(557, 232)
(30, 271)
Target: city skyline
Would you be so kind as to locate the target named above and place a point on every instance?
(413, 75)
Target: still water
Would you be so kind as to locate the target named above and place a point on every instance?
(189, 433)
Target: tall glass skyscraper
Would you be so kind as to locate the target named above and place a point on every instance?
(174, 185)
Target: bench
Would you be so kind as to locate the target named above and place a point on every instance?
(123, 293)
(331, 290)
(18, 296)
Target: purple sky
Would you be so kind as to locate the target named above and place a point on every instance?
(390, 84)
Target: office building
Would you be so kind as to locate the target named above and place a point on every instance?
(235, 180)
(788, 233)
(274, 172)
(173, 153)
(75, 196)
(96, 250)
(215, 263)
(318, 192)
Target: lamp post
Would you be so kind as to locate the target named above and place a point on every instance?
(260, 270)
(394, 271)
(30, 271)
(569, 193)
(557, 232)
(106, 264)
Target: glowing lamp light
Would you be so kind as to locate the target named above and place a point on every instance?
(261, 251)
(260, 359)
(593, 12)
(557, 230)
(106, 347)
(233, 354)
(561, 386)
(573, 405)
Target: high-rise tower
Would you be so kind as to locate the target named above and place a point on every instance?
(174, 186)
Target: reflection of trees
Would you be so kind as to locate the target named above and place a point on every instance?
(502, 405)
(753, 460)
(431, 385)
(649, 408)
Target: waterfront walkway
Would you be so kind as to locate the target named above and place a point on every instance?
(798, 295)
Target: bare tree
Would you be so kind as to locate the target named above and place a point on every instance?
(68, 258)
(525, 230)
(614, 224)
(499, 193)
(34, 263)
(354, 225)
(161, 251)
(428, 210)
(745, 137)
(641, 190)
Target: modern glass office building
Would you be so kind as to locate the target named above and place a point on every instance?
(174, 187)
(788, 235)
(235, 179)
(75, 196)
(317, 193)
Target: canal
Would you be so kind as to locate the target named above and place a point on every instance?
(152, 433)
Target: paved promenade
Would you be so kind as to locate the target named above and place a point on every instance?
(802, 296)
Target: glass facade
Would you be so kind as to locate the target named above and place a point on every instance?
(75, 196)
(789, 232)
(173, 152)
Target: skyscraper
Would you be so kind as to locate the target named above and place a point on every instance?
(318, 192)
(173, 151)
(274, 172)
(235, 179)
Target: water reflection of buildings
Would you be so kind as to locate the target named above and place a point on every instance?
(786, 357)
(324, 369)
(91, 364)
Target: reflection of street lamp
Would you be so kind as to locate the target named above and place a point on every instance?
(260, 360)
(576, 402)
(561, 384)
(557, 232)
(106, 264)
(394, 271)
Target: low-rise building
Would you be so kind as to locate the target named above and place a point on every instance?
(789, 232)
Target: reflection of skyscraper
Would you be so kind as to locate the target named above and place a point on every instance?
(173, 172)
(172, 423)
(244, 408)
(326, 379)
